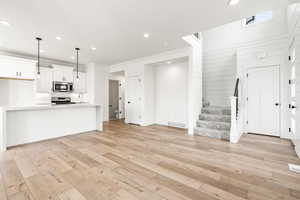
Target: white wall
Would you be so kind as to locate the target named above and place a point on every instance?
(149, 95)
(171, 100)
(98, 76)
(220, 47)
(140, 67)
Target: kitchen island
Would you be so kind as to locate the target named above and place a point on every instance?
(27, 124)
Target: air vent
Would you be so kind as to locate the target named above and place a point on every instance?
(294, 168)
(196, 35)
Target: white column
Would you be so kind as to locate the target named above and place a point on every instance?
(194, 81)
(97, 84)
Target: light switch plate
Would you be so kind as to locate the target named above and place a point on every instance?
(294, 168)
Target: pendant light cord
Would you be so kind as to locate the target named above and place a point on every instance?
(77, 55)
(38, 39)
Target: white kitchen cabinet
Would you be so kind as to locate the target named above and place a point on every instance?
(58, 75)
(62, 73)
(80, 85)
(27, 70)
(17, 68)
(44, 83)
(68, 75)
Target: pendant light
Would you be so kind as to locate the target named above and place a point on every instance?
(77, 55)
(38, 63)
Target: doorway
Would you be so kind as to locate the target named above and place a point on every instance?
(113, 99)
(116, 95)
(263, 100)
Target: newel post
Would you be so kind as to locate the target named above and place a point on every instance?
(234, 136)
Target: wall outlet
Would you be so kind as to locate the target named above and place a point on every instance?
(294, 168)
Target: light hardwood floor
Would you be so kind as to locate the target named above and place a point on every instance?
(127, 162)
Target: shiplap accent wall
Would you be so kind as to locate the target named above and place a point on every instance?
(249, 56)
(220, 53)
(219, 72)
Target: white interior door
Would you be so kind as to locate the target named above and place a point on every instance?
(263, 106)
(134, 97)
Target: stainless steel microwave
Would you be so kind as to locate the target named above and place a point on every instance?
(62, 86)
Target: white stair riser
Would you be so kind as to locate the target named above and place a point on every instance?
(216, 111)
(216, 118)
(214, 125)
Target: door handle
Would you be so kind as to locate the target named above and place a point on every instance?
(277, 104)
(292, 106)
(128, 102)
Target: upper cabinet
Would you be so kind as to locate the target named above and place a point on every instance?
(44, 83)
(17, 68)
(62, 73)
(80, 85)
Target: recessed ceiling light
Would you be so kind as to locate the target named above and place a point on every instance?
(72, 57)
(94, 48)
(146, 35)
(58, 37)
(42, 51)
(233, 2)
(4, 23)
(169, 62)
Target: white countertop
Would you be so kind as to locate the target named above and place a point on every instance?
(47, 107)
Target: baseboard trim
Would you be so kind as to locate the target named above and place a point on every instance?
(297, 147)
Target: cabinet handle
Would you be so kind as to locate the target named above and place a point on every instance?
(20, 73)
(17, 74)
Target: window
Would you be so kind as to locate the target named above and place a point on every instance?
(261, 17)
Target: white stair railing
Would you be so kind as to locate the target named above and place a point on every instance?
(234, 133)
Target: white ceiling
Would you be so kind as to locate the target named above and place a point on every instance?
(115, 27)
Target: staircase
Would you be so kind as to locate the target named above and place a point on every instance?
(214, 122)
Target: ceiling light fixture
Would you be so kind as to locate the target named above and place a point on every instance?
(233, 2)
(72, 57)
(58, 38)
(4, 23)
(146, 35)
(94, 48)
(38, 63)
(77, 55)
(42, 51)
(169, 62)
